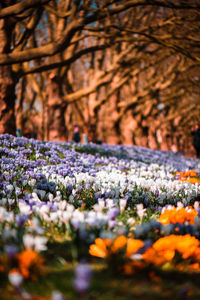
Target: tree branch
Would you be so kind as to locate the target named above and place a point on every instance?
(20, 7)
(66, 62)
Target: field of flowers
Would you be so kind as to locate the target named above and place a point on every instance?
(97, 222)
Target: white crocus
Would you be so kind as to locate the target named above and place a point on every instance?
(24, 208)
(24, 182)
(140, 210)
(32, 182)
(179, 205)
(11, 201)
(35, 197)
(101, 204)
(196, 205)
(54, 217)
(28, 241)
(70, 208)
(131, 221)
(37, 243)
(62, 205)
(50, 196)
(109, 203)
(66, 216)
(40, 243)
(10, 188)
(15, 279)
(122, 204)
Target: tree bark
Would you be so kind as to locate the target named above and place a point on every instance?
(56, 110)
(7, 85)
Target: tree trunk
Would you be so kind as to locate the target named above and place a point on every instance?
(44, 125)
(19, 106)
(56, 111)
(7, 85)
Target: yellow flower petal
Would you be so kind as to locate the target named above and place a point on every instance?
(96, 251)
(133, 245)
(118, 243)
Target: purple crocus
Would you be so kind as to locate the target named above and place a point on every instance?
(21, 219)
(83, 274)
(113, 212)
(11, 250)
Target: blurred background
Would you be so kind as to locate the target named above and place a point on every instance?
(126, 72)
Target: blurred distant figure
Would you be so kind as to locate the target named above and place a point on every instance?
(18, 132)
(174, 148)
(99, 142)
(30, 134)
(76, 135)
(27, 133)
(196, 139)
(85, 139)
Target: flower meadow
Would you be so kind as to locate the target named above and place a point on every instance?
(97, 221)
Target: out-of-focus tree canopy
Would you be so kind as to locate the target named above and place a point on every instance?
(113, 66)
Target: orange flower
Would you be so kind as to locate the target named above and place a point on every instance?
(178, 215)
(163, 250)
(27, 259)
(133, 245)
(99, 249)
(180, 174)
(188, 176)
(104, 247)
(118, 243)
(194, 266)
(151, 256)
(187, 245)
(191, 173)
(165, 247)
(193, 180)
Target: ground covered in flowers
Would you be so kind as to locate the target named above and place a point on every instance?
(97, 222)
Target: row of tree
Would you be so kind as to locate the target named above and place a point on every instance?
(125, 71)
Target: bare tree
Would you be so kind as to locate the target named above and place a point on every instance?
(67, 26)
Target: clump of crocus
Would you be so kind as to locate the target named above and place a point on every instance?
(105, 247)
(188, 176)
(175, 251)
(178, 215)
(120, 253)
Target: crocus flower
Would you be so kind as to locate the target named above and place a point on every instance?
(83, 274)
(26, 259)
(15, 278)
(56, 295)
(11, 250)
